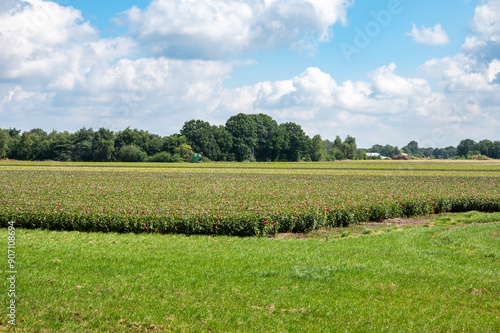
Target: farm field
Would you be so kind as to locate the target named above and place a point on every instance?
(456, 165)
(238, 201)
(140, 248)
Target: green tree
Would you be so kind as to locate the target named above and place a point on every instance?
(184, 151)
(82, 142)
(268, 135)
(200, 136)
(173, 141)
(40, 149)
(361, 154)
(224, 140)
(103, 150)
(396, 151)
(4, 143)
(132, 153)
(295, 140)
(60, 146)
(350, 148)
(243, 130)
(413, 148)
(465, 147)
(127, 137)
(387, 151)
(318, 148)
(486, 147)
(375, 149)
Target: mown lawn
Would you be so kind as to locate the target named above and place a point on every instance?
(425, 279)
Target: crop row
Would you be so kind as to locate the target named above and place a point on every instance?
(232, 204)
(493, 165)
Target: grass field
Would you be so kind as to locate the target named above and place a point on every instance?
(437, 275)
(434, 279)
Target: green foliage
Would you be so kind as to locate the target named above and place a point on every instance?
(165, 157)
(4, 143)
(131, 153)
(318, 148)
(184, 151)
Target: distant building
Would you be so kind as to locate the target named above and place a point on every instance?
(372, 154)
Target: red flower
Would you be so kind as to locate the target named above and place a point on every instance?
(216, 223)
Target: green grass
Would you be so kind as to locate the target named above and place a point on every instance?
(468, 217)
(436, 279)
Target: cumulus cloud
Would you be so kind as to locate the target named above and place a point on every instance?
(217, 28)
(53, 44)
(429, 36)
(314, 92)
(486, 20)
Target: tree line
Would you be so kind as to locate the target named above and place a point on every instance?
(466, 149)
(244, 137)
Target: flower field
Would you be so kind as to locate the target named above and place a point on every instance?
(237, 201)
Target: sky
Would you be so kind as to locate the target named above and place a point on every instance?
(385, 72)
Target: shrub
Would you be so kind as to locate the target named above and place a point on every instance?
(131, 153)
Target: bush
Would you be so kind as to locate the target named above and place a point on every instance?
(160, 157)
(165, 157)
(131, 153)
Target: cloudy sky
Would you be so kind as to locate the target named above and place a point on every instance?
(383, 71)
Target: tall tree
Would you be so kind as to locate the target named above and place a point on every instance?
(4, 143)
(295, 141)
(350, 148)
(413, 147)
(200, 136)
(82, 141)
(243, 130)
(318, 148)
(465, 147)
(224, 140)
(485, 147)
(60, 146)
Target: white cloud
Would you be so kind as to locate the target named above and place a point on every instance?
(53, 44)
(486, 20)
(314, 93)
(216, 28)
(386, 83)
(429, 36)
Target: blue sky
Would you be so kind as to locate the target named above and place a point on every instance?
(387, 71)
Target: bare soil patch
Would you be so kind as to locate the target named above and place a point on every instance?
(398, 222)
